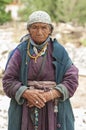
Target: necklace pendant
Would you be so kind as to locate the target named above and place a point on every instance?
(42, 52)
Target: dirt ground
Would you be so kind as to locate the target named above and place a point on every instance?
(79, 98)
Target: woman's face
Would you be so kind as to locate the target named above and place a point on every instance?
(39, 32)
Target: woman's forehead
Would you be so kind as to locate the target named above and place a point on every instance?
(39, 24)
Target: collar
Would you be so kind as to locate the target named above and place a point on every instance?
(39, 47)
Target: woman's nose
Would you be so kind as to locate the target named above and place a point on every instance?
(39, 31)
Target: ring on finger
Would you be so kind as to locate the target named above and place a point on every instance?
(36, 102)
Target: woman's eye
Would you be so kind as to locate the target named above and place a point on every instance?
(44, 27)
(34, 27)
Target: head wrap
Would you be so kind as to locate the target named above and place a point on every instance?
(39, 16)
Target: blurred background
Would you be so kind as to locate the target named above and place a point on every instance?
(69, 21)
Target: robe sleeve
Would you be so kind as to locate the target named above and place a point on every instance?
(12, 85)
(69, 83)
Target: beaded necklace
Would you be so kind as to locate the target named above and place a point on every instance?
(38, 54)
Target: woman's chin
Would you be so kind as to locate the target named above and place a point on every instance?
(39, 41)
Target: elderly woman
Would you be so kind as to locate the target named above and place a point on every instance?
(40, 78)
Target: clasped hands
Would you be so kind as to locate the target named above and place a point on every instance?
(35, 97)
(38, 98)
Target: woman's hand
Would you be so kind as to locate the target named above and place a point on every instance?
(34, 98)
(51, 94)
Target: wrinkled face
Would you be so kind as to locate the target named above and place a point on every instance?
(39, 32)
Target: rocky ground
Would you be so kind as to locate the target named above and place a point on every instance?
(9, 38)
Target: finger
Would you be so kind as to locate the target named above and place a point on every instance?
(42, 98)
(38, 105)
(39, 102)
(30, 105)
(40, 95)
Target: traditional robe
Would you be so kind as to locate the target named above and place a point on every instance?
(58, 68)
